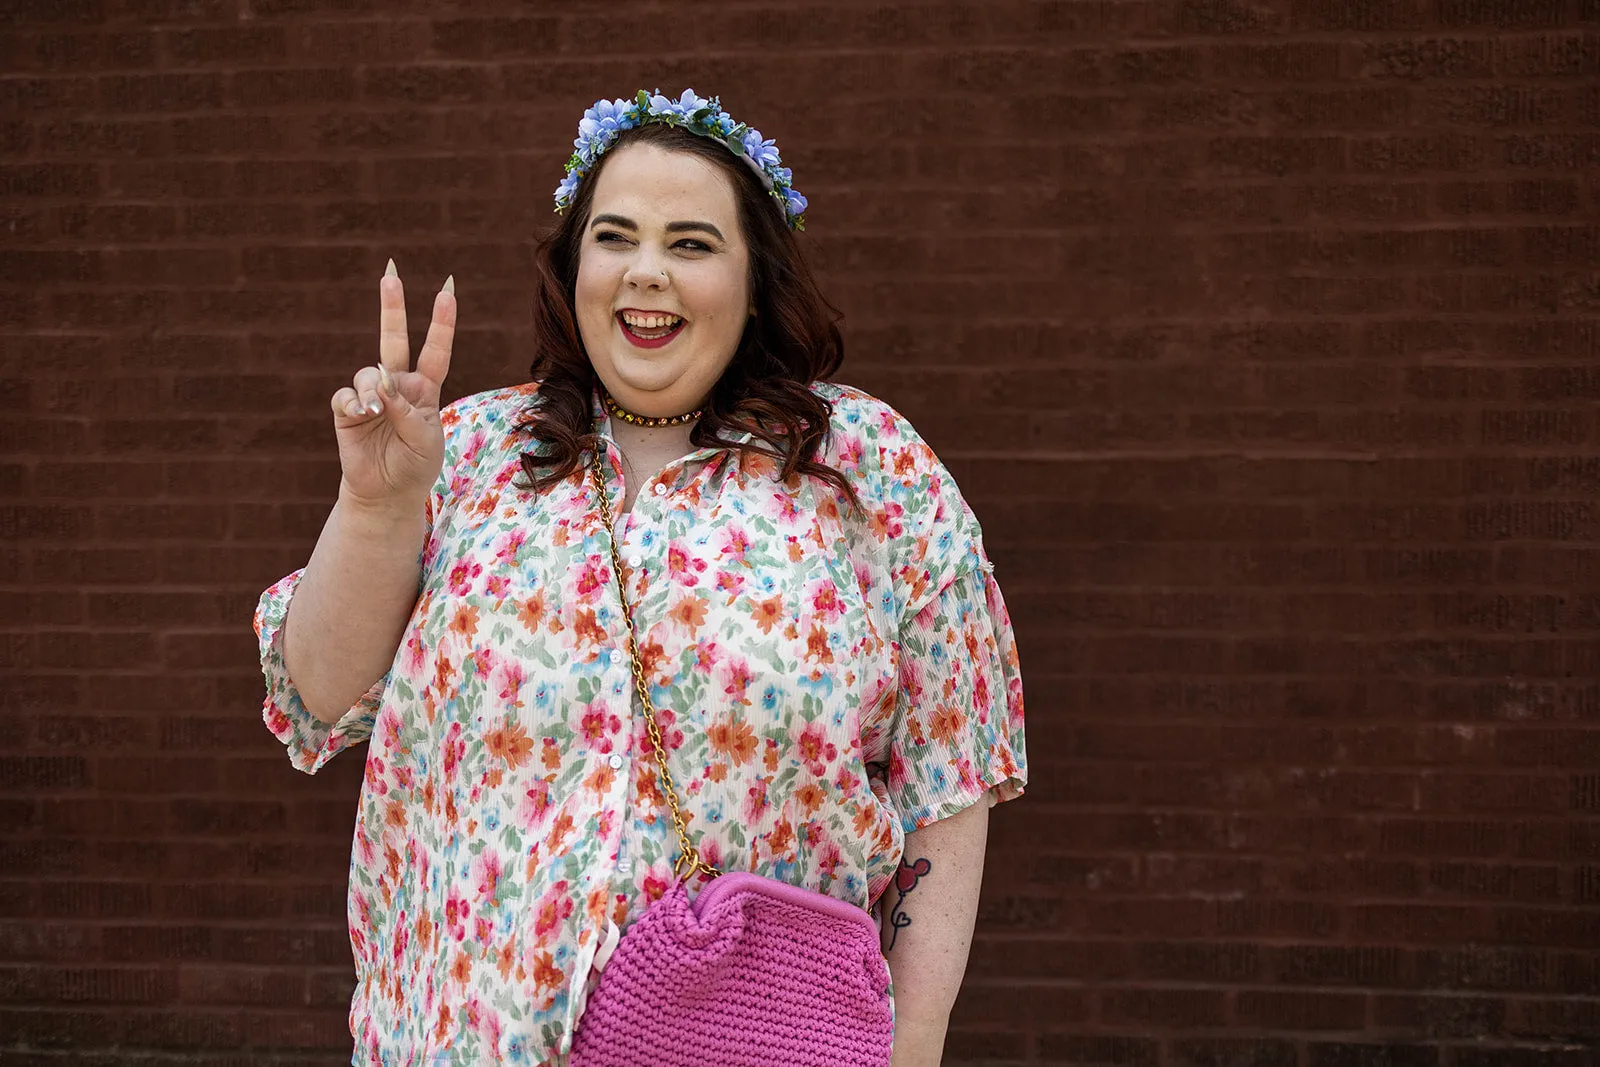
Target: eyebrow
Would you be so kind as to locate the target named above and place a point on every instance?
(672, 227)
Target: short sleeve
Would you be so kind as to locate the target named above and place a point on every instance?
(957, 733)
(310, 741)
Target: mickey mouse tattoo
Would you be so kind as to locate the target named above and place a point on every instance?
(905, 880)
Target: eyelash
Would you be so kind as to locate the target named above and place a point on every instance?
(688, 243)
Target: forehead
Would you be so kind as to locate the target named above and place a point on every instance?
(651, 184)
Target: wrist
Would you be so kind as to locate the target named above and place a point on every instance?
(384, 511)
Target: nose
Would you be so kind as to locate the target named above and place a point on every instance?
(646, 271)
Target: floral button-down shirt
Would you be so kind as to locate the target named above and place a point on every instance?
(826, 681)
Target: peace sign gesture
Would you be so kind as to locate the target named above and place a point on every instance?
(391, 445)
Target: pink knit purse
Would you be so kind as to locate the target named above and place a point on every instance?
(753, 972)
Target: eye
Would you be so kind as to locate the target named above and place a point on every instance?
(609, 237)
(688, 244)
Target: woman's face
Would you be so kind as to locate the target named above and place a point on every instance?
(663, 290)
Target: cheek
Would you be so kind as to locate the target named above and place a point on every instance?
(593, 289)
(726, 300)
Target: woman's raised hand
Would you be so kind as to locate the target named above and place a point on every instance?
(391, 445)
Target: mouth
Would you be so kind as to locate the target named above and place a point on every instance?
(650, 329)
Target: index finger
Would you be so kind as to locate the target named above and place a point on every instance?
(394, 346)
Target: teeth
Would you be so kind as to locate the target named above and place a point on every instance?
(649, 322)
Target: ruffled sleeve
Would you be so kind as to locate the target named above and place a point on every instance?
(955, 736)
(957, 733)
(310, 741)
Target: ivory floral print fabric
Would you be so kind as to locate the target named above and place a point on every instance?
(826, 681)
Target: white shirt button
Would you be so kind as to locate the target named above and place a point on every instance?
(660, 489)
(615, 761)
(613, 657)
(633, 559)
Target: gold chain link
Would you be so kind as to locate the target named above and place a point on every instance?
(689, 860)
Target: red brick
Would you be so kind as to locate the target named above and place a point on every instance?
(161, 92)
(1561, 1055)
(1440, 1016)
(224, 46)
(1013, 1004)
(1188, 1008)
(1353, 1054)
(1198, 962)
(1086, 1050)
(1233, 1052)
(1300, 1011)
(1325, 965)
(1501, 968)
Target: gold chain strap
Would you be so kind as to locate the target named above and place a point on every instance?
(689, 860)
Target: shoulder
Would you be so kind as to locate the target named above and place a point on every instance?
(877, 448)
(485, 424)
(490, 410)
(914, 509)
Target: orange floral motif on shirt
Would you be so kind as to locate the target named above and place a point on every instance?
(768, 612)
(690, 611)
(817, 645)
(510, 743)
(531, 612)
(733, 739)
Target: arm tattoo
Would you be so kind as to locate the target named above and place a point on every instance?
(905, 880)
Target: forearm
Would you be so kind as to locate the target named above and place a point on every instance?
(928, 918)
(350, 609)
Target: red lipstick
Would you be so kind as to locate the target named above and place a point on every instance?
(649, 342)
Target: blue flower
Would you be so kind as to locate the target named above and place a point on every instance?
(765, 153)
(794, 203)
(569, 186)
(682, 108)
(601, 124)
(823, 683)
(769, 699)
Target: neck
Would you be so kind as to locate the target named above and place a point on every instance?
(649, 441)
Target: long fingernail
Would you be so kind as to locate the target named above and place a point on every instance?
(450, 284)
(353, 409)
(391, 272)
(386, 380)
(374, 406)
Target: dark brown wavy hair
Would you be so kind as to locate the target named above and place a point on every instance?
(792, 340)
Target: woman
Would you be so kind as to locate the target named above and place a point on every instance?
(829, 656)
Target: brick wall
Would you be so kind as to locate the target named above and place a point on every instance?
(1264, 336)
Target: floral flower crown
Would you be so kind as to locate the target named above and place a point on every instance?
(607, 118)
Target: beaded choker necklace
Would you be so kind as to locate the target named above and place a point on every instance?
(617, 411)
